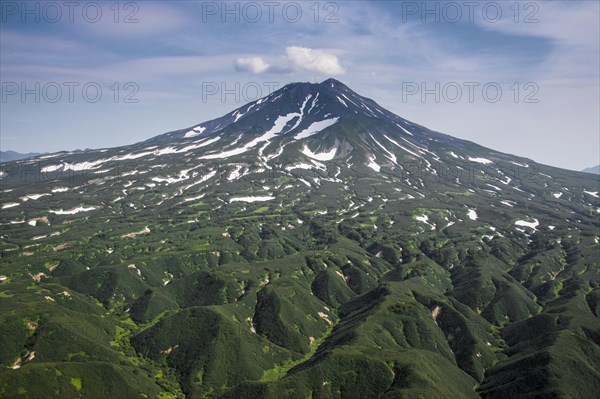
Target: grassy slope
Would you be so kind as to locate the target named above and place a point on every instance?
(340, 308)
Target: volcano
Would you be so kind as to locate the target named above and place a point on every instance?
(310, 243)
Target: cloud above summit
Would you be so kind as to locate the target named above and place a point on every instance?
(319, 61)
(296, 59)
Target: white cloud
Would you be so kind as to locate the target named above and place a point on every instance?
(296, 59)
(251, 64)
(314, 60)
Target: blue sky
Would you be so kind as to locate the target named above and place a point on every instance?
(544, 57)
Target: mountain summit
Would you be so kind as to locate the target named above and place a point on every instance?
(304, 103)
(325, 121)
(307, 244)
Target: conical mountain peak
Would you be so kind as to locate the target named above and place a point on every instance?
(312, 102)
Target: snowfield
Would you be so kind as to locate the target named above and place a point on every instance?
(73, 211)
(532, 225)
(322, 156)
(472, 214)
(484, 161)
(252, 199)
(373, 165)
(316, 127)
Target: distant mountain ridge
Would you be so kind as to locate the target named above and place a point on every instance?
(593, 169)
(7, 156)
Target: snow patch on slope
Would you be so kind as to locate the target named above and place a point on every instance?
(277, 128)
(195, 132)
(73, 211)
(533, 225)
(402, 147)
(425, 219)
(252, 199)
(316, 127)
(321, 156)
(373, 165)
(472, 214)
(33, 197)
(484, 161)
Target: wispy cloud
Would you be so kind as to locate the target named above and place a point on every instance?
(135, 20)
(251, 64)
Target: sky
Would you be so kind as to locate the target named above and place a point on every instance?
(518, 77)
